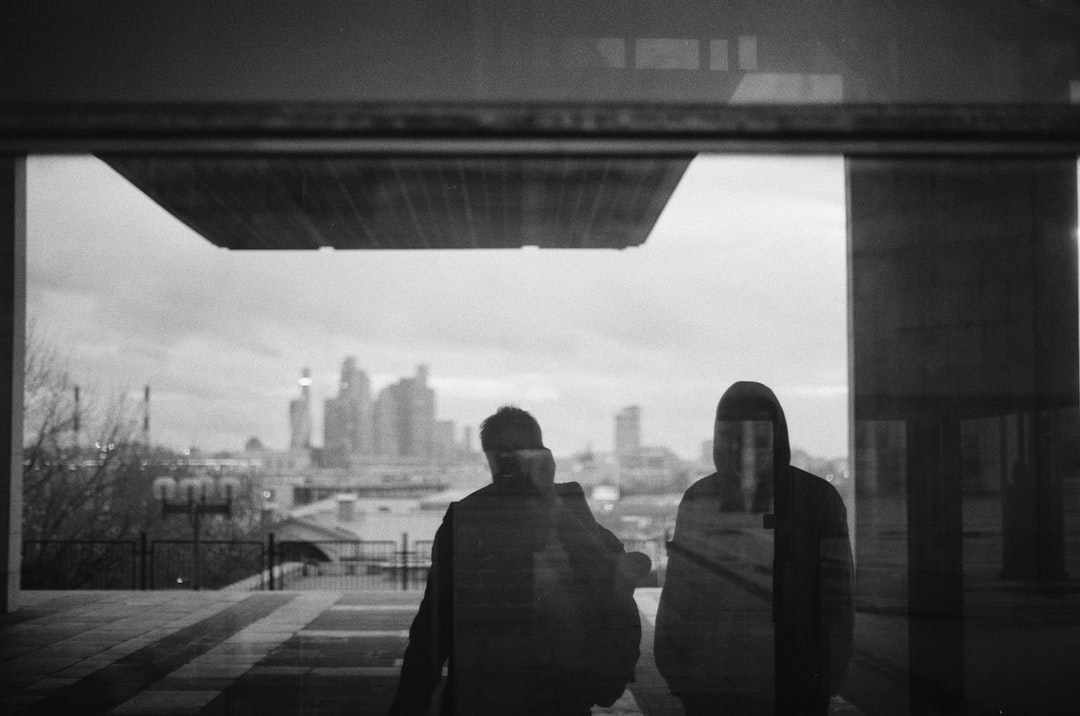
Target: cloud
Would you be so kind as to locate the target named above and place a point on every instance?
(742, 277)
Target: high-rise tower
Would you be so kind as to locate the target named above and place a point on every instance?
(405, 418)
(299, 414)
(628, 430)
(347, 419)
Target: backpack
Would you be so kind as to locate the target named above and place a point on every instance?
(543, 604)
(588, 626)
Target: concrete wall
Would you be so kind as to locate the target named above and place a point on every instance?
(963, 290)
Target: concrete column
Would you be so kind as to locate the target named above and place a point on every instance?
(963, 289)
(12, 347)
(935, 565)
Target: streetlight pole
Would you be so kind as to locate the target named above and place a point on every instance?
(197, 496)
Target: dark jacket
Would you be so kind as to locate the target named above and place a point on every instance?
(489, 562)
(715, 606)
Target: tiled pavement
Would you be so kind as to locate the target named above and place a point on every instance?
(233, 653)
(133, 653)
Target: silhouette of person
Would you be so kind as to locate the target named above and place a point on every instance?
(496, 606)
(725, 643)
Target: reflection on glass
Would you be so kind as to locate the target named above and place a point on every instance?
(748, 623)
(964, 380)
(631, 51)
(965, 392)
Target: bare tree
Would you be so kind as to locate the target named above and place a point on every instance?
(87, 476)
(82, 481)
(81, 462)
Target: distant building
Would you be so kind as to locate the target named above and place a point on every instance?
(418, 426)
(628, 430)
(337, 519)
(387, 419)
(651, 470)
(444, 447)
(405, 418)
(588, 469)
(641, 469)
(397, 424)
(300, 415)
(348, 424)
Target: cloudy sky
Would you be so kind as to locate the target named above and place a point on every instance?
(743, 277)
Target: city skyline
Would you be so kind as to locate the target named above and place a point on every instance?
(726, 288)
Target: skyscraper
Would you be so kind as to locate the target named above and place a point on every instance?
(444, 447)
(628, 430)
(348, 419)
(399, 423)
(418, 428)
(405, 418)
(299, 414)
(387, 419)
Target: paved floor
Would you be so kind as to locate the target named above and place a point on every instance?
(236, 653)
(133, 653)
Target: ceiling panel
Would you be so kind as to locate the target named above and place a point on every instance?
(359, 202)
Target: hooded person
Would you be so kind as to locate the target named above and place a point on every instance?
(728, 638)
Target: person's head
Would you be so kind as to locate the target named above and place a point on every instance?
(750, 425)
(509, 429)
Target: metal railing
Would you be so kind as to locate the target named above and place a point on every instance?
(250, 565)
(85, 564)
(221, 563)
(344, 564)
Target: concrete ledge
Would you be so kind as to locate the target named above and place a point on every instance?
(258, 582)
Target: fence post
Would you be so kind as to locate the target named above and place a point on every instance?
(270, 559)
(142, 561)
(404, 561)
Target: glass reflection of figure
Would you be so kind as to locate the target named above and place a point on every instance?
(725, 642)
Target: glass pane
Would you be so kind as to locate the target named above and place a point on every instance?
(959, 365)
(621, 350)
(965, 391)
(603, 51)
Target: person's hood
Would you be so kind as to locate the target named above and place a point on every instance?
(747, 400)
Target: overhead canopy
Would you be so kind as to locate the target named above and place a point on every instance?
(360, 202)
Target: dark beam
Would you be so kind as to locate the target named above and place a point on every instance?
(337, 128)
(12, 347)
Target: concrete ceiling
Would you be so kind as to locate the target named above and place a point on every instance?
(373, 202)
